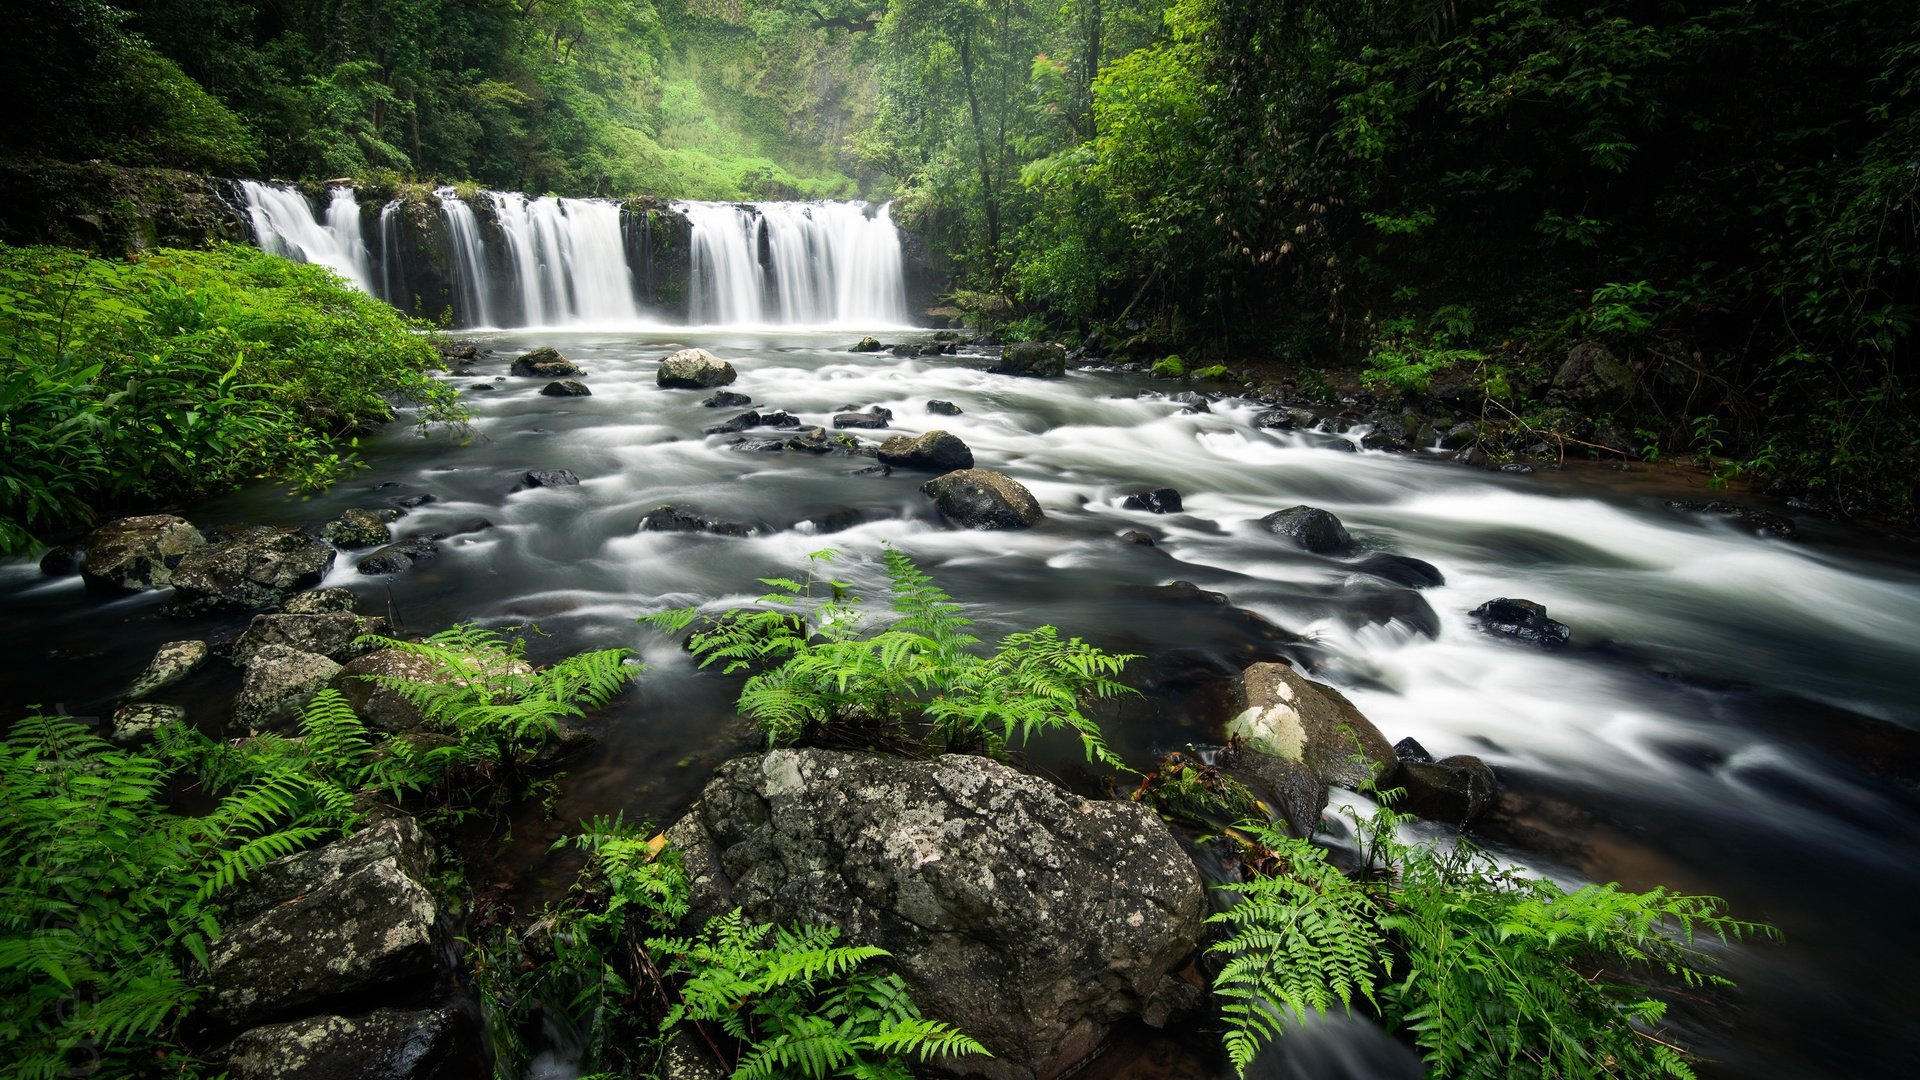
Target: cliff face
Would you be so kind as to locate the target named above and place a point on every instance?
(114, 210)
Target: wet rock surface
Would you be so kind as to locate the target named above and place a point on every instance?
(171, 662)
(1522, 620)
(1031, 359)
(936, 451)
(673, 519)
(694, 369)
(399, 558)
(546, 478)
(1030, 917)
(138, 553)
(984, 499)
(1278, 711)
(254, 566)
(278, 684)
(1458, 790)
(1310, 529)
(1157, 501)
(542, 363)
(385, 1044)
(566, 388)
(135, 723)
(332, 635)
(360, 527)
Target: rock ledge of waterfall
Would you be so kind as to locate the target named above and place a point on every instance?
(1029, 917)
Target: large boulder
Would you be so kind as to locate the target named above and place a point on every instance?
(543, 363)
(319, 602)
(1032, 359)
(251, 567)
(352, 918)
(385, 1044)
(1278, 711)
(360, 527)
(1458, 790)
(1593, 376)
(330, 635)
(984, 499)
(936, 451)
(137, 722)
(1158, 501)
(138, 553)
(171, 662)
(1029, 917)
(566, 388)
(398, 558)
(1310, 529)
(1522, 620)
(377, 706)
(694, 369)
(278, 684)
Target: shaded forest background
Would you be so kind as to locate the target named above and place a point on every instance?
(1717, 198)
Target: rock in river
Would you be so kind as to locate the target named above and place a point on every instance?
(544, 363)
(278, 684)
(1309, 528)
(386, 1044)
(359, 527)
(694, 369)
(1033, 359)
(1281, 712)
(1524, 620)
(172, 662)
(1029, 917)
(984, 499)
(936, 451)
(138, 553)
(1158, 501)
(254, 566)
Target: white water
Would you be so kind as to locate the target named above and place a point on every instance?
(473, 291)
(826, 264)
(569, 260)
(283, 224)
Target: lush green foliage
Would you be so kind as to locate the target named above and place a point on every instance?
(818, 664)
(105, 909)
(1492, 972)
(785, 1002)
(180, 373)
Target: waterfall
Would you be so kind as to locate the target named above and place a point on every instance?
(468, 255)
(393, 282)
(569, 259)
(283, 224)
(824, 263)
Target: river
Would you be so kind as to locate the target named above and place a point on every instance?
(1737, 714)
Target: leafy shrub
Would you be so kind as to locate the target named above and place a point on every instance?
(106, 908)
(817, 665)
(1499, 974)
(184, 373)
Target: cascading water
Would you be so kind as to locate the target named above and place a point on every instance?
(472, 289)
(569, 259)
(825, 264)
(283, 224)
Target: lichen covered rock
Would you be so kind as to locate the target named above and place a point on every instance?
(1278, 711)
(694, 369)
(138, 553)
(984, 499)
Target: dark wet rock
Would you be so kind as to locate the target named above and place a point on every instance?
(694, 369)
(136, 722)
(1310, 529)
(1403, 606)
(1135, 536)
(60, 560)
(1339, 446)
(757, 446)
(674, 519)
(1302, 418)
(1158, 501)
(984, 499)
(350, 919)
(1460, 436)
(377, 706)
(252, 566)
(461, 351)
(880, 411)
(399, 558)
(1593, 376)
(278, 684)
(1457, 790)
(867, 344)
(862, 420)
(836, 520)
(1029, 917)
(1409, 749)
(936, 451)
(566, 388)
(482, 386)
(726, 399)
(1516, 468)
(319, 602)
(1194, 401)
(543, 363)
(1522, 619)
(386, 1044)
(814, 440)
(1031, 359)
(138, 553)
(1400, 569)
(873, 470)
(1290, 787)
(329, 635)
(1473, 456)
(171, 662)
(779, 418)
(413, 499)
(359, 527)
(1762, 522)
(1281, 712)
(736, 425)
(546, 478)
(1273, 418)
(943, 408)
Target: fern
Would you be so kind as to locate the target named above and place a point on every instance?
(106, 900)
(814, 663)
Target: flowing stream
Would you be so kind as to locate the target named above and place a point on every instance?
(1736, 715)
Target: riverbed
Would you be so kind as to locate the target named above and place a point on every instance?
(1737, 714)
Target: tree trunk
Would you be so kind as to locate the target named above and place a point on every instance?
(989, 204)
